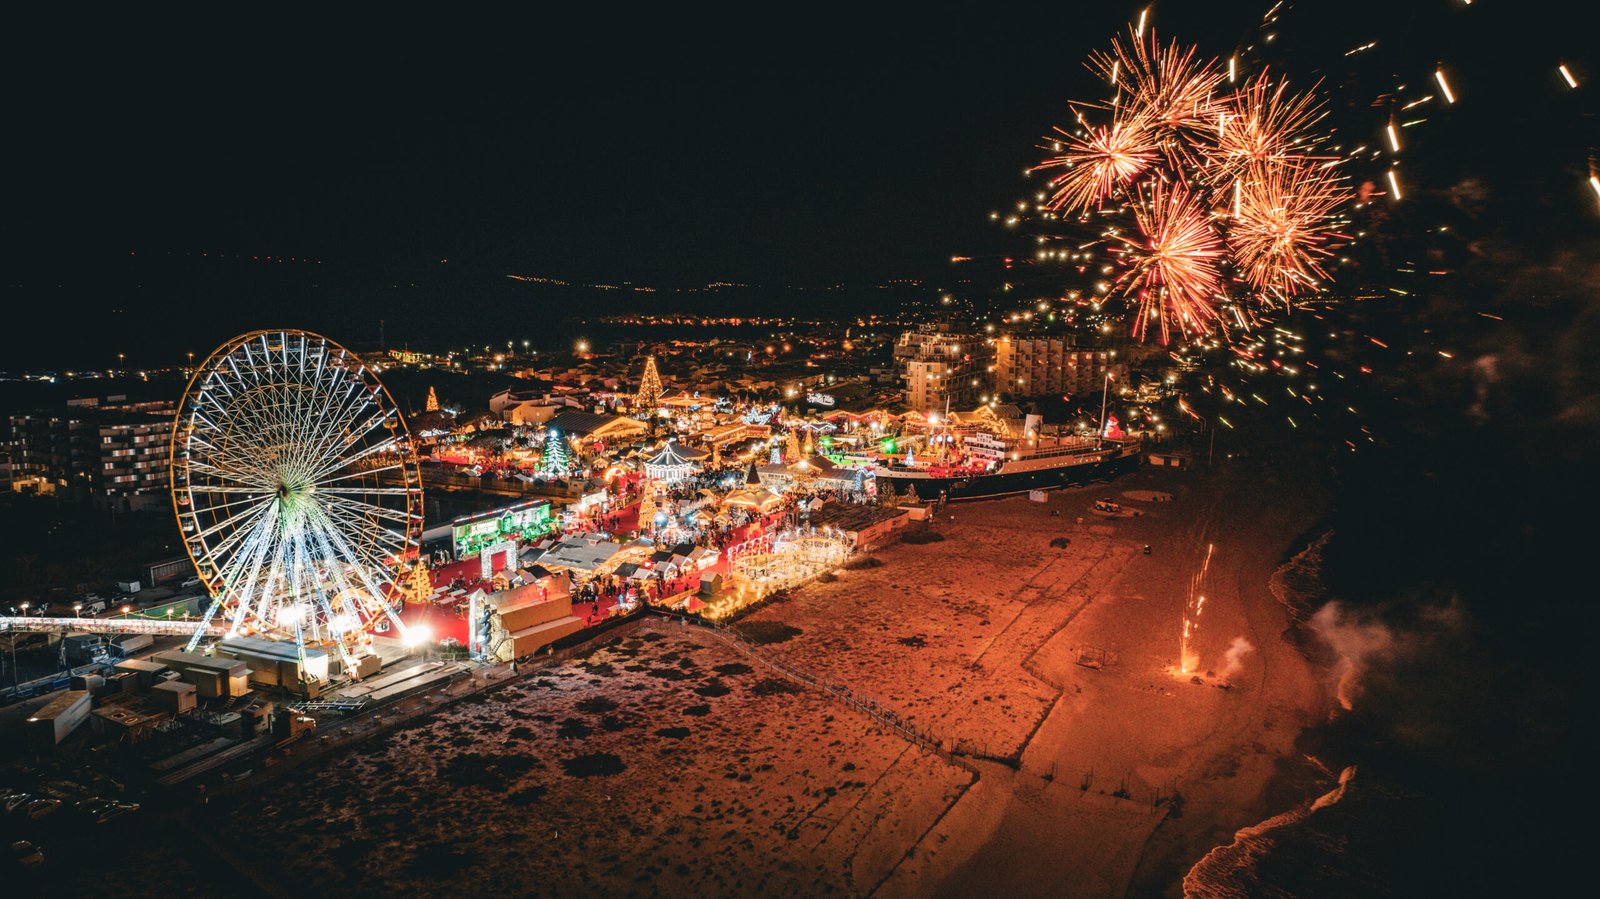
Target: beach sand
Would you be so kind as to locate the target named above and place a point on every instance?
(978, 639)
(660, 763)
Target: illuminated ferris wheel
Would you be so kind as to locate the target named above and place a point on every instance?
(297, 491)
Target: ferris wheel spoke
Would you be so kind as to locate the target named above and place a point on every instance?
(364, 573)
(362, 509)
(364, 512)
(233, 521)
(381, 545)
(321, 483)
(335, 415)
(363, 491)
(236, 549)
(377, 536)
(245, 478)
(212, 510)
(244, 525)
(383, 446)
(253, 491)
(240, 583)
(351, 435)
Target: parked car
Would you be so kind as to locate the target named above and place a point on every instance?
(27, 854)
(115, 810)
(17, 800)
(40, 808)
(93, 806)
(188, 582)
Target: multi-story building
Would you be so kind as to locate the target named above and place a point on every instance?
(111, 452)
(942, 369)
(1043, 366)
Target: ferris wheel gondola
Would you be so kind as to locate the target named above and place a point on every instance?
(297, 491)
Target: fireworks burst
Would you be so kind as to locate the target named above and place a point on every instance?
(1259, 124)
(1173, 264)
(1169, 88)
(1097, 164)
(1283, 227)
(1183, 144)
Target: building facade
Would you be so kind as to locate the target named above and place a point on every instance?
(1044, 366)
(942, 369)
(111, 452)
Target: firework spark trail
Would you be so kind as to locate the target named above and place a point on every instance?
(1097, 165)
(1188, 659)
(1169, 89)
(1284, 228)
(1173, 268)
(1260, 123)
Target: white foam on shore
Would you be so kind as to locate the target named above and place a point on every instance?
(1297, 583)
(1216, 875)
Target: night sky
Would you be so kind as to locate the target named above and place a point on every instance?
(673, 148)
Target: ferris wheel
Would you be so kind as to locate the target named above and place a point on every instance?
(297, 491)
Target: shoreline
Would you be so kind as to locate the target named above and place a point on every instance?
(1292, 781)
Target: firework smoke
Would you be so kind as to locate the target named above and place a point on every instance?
(1233, 658)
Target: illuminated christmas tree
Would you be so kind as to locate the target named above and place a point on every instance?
(886, 493)
(791, 448)
(557, 459)
(649, 396)
(419, 586)
(810, 447)
(647, 509)
(433, 402)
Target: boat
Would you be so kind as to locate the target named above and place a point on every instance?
(994, 466)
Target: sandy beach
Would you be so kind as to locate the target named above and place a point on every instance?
(1093, 781)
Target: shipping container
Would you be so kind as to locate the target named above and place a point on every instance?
(56, 720)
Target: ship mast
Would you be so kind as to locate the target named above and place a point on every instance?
(1105, 392)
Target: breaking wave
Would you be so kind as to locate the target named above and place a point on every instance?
(1297, 583)
(1236, 870)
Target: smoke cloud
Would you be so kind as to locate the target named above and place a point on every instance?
(1233, 658)
(1375, 653)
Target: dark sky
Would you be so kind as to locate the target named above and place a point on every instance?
(802, 144)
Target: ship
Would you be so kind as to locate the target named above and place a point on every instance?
(994, 466)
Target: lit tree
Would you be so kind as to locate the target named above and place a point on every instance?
(432, 404)
(647, 508)
(557, 460)
(811, 446)
(419, 586)
(649, 396)
(791, 448)
(886, 495)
